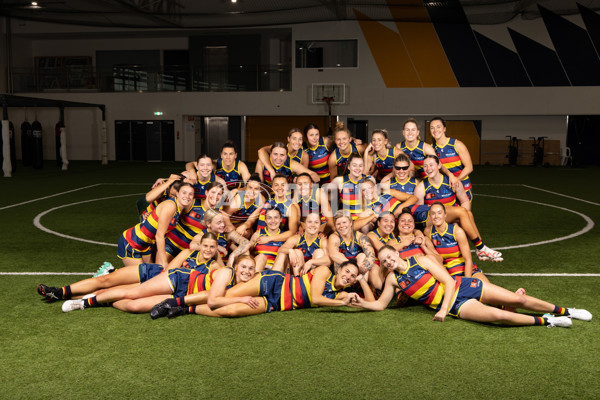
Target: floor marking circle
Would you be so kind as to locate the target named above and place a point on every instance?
(589, 226)
(38, 224)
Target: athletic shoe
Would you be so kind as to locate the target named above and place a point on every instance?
(160, 310)
(562, 321)
(177, 311)
(487, 254)
(50, 293)
(577, 313)
(105, 269)
(72, 305)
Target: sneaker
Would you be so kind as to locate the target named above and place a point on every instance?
(487, 254)
(562, 321)
(50, 293)
(160, 310)
(105, 269)
(577, 313)
(72, 305)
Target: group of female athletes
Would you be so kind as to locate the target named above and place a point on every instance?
(323, 221)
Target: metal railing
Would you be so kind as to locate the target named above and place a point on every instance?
(135, 78)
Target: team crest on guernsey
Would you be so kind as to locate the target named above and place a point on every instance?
(377, 209)
(436, 242)
(473, 283)
(430, 195)
(404, 284)
(173, 221)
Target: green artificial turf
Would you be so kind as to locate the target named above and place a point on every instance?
(318, 353)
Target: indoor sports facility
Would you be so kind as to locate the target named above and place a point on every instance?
(415, 180)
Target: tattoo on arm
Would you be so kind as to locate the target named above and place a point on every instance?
(368, 250)
(243, 243)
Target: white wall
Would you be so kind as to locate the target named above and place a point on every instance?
(517, 111)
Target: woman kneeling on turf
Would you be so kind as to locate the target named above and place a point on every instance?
(432, 285)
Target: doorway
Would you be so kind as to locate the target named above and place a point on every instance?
(137, 140)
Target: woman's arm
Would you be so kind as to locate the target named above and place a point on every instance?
(332, 164)
(216, 294)
(166, 211)
(440, 273)
(243, 246)
(406, 199)
(465, 158)
(333, 250)
(364, 218)
(259, 170)
(298, 169)
(420, 193)
(465, 249)
(462, 197)
(363, 241)
(244, 172)
(178, 261)
(158, 190)
(264, 157)
(385, 298)
(317, 286)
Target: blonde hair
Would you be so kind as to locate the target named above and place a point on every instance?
(340, 127)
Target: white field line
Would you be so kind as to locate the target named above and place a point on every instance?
(38, 224)
(589, 224)
(563, 195)
(68, 191)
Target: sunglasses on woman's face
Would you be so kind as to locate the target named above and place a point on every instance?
(398, 168)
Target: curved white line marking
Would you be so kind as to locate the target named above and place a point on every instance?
(586, 228)
(38, 224)
(47, 197)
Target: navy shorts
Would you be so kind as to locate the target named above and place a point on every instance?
(466, 289)
(147, 271)
(270, 288)
(179, 278)
(420, 215)
(124, 250)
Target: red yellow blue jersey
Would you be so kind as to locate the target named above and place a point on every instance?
(284, 207)
(318, 158)
(197, 263)
(310, 205)
(233, 177)
(384, 203)
(152, 206)
(446, 244)
(307, 248)
(200, 282)
(352, 249)
(285, 169)
(411, 250)
(405, 187)
(384, 165)
(297, 156)
(269, 249)
(243, 213)
(143, 235)
(341, 160)
(417, 283)
(442, 193)
(384, 239)
(189, 225)
(350, 195)
(451, 160)
(200, 187)
(416, 155)
(295, 291)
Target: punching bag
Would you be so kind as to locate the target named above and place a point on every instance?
(38, 148)
(13, 151)
(58, 143)
(26, 145)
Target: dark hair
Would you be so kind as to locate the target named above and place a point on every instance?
(203, 155)
(348, 262)
(279, 144)
(350, 158)
(402, 157)
(438, 203)
(175, 185)
(437, 160)
(183, 184)
(309, 127)
(406, 210)
(229, 145)
(438, 119)
(269, 207)
(212, 236)
(303, 174)
(294, 130)
(254, 177)
(278, 175)
(214, 185)
(385, 214)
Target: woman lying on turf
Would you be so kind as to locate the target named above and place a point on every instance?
(141, 298)
(128, 276)
(466, 298)
(276, 291)
(209, 288)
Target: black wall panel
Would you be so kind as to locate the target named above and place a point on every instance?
(505, 64)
